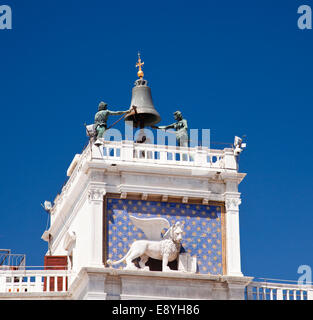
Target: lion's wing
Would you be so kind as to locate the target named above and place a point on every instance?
(152, 227)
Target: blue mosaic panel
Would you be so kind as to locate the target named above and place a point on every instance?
(202, 235)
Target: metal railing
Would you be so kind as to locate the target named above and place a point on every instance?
(9, 261)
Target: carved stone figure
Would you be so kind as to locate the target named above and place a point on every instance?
(166, 249)
(180, 127)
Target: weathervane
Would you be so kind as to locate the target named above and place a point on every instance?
(138, 65)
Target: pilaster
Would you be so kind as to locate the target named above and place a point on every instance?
(233, 263)
(96, 193)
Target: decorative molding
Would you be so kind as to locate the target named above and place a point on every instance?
(96, 193)
(123, 195)
(69, 240)
(97, 175)
(185, 200)
(176, 192)
(232, 204)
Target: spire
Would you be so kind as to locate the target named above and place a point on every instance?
(138, 65)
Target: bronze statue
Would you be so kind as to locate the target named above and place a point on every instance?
(180, 127)
(101, 118)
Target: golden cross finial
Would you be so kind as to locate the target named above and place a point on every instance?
(139, 64)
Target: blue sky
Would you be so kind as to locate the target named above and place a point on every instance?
(235, 67)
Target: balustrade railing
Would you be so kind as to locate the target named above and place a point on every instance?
(41, 281)
(162, 154)
(269, 290)
(20, 281)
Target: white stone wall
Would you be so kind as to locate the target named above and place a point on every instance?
(78, 210)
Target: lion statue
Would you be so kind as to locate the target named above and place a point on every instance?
(166, 249)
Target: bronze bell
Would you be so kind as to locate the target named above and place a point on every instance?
(145, 114)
